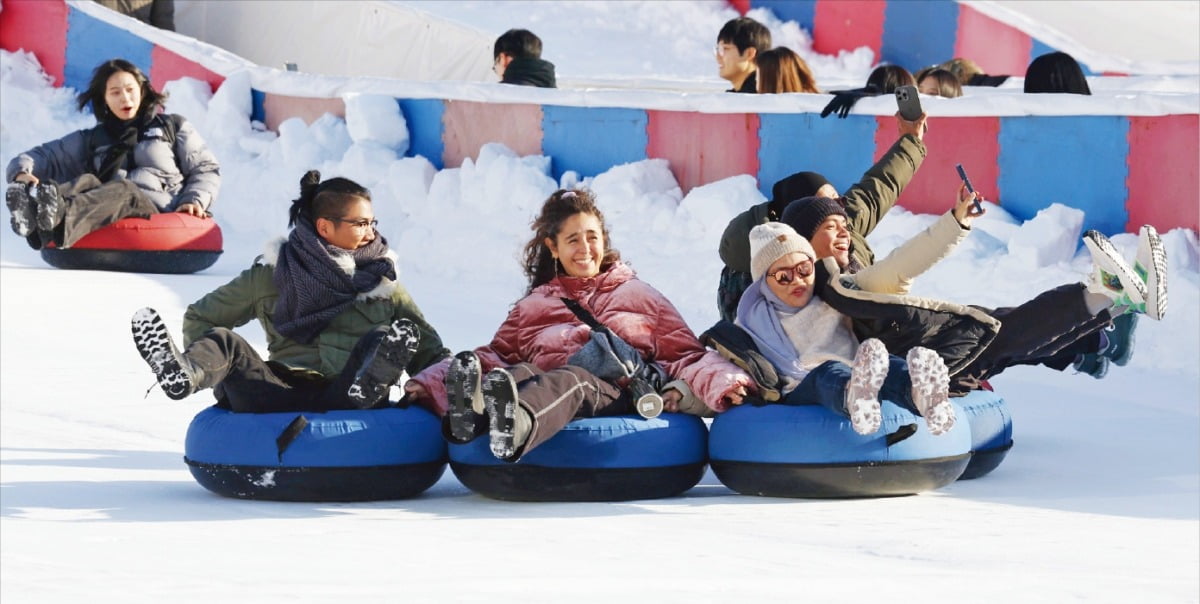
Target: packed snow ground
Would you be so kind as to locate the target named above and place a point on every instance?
(1099, 499)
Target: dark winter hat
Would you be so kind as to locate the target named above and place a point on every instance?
(800, 184)
(805, 215)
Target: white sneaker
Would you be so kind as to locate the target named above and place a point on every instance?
(1150, 264)
(1112, 276)
(931, 389)
(862, 393)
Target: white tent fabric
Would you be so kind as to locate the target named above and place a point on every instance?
(369, 38)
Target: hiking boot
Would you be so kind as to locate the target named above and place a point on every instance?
(1092, 364)
(867, 373)
(1116, 346)
(50, 207)
(1113, 277)
(465, 394)
(1150, 264)
(1117, 339)
(931, 389)
(508, 424)
(22, 207)
(176, 375)
(382, 366)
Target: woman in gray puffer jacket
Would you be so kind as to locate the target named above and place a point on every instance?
(135, 162)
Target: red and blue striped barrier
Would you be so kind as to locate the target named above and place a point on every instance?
(1122, 170)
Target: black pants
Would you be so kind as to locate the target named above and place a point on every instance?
(244, 382)
(1043, 330)
(90, 205)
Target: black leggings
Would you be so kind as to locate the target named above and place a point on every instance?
(244, 382)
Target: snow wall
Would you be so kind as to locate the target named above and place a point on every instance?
(1125, 160)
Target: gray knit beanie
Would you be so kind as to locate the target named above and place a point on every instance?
(770, 242)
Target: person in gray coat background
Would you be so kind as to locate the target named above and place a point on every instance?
(136, 161)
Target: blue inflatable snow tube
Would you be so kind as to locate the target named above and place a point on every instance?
(991, 431)
(618, 458)
(809, 451)
(374, 454)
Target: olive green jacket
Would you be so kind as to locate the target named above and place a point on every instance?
(866, 204)
(252, 295)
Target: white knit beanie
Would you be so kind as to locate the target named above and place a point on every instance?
(770, 242)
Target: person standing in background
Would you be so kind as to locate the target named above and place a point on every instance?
(159, 13)
(739, 43)
(517, 59)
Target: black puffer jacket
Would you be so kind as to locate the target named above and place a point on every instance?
(530, 72)
(958, 333)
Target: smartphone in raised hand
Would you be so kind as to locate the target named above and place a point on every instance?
(966, 181)
(909, 103)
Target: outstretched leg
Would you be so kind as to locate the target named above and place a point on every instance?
(176, 375)
(867, 374)
(23, 208)
(464, 391)
(383, 362)
(931, 389)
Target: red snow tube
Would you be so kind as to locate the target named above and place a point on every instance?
(172, 242)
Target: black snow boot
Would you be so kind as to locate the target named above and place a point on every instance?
(23, 208)
(50, 207)
(465, 394)
(381, 368)
(176, 375)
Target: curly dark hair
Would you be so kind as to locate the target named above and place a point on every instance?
(94, 93)
(328, 198)
(539, 265)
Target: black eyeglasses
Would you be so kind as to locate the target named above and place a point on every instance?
(358, 224)
(785, 276)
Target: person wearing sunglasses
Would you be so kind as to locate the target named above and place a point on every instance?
(816, 354)
(1087, 327)
(339, 326)
(865, 203)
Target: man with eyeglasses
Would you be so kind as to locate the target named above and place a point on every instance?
(517, 59)
(738, 45)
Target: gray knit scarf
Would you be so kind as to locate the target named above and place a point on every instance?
(313, 288)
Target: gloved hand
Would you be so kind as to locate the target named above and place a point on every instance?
(844, 100)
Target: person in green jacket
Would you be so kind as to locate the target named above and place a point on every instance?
(866, 204)
(340, 328)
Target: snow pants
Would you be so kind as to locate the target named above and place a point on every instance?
(1052, 325)
(554, 398)
(245, 383)
(90, 204)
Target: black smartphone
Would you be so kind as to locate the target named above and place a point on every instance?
(908, 102)
(966, 181)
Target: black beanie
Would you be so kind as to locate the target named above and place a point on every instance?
(800, 184)
(805, 215)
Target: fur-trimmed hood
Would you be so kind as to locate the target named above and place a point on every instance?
(387, 288)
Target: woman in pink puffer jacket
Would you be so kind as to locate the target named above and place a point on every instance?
(530, 391)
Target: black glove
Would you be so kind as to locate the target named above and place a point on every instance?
(844, 100)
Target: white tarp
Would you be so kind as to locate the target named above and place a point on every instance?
(363, 38)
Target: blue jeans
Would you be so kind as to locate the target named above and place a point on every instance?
(826, 385)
